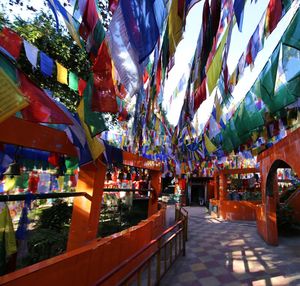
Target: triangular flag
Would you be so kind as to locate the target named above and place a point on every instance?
(73, 81)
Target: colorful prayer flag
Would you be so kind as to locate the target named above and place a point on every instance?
(31, 53)
(73, 81)
(62, 73)
(11, 42)
(11, 99)
(46, 64)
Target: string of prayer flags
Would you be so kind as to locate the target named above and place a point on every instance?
(46, 64)
(11, 99)
(31, 53)
(62, 73)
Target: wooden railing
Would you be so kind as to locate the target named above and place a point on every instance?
(163, 252)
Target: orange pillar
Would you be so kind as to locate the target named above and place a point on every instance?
(86, 211)
(156, 185)
(216, 185)
(223, 187)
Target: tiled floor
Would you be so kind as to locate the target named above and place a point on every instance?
(233, 254)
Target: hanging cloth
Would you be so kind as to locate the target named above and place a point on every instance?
(8, 244)
(46, 64)
(31, 53)
(62, 73)
(10, 42)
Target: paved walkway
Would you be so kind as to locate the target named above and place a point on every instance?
(232, 254)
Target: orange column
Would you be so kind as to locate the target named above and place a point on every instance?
(156, 185)
(86, 211)
(216, 185)
(223, 186)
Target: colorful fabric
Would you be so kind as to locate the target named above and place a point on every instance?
(10, 42)
(31, 53)
(89, 19)
(238, 8)
(94, 120)
(274, 13)
(175, 28)
(95, 146)
(123, 54)
(46, 64)
(8, 244)
(291, 36)
(200, 95)
(8, 68)
(41, 108)
(142, 29)
(210, 147)
(62, 73)
(11, 99)
(160, 12)
(73, 81)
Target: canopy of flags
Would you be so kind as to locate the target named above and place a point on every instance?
(130, 62)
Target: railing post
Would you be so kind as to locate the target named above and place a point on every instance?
(158, 260)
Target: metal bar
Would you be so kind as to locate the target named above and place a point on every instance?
(22, 197)
(109, 190)
(149, 272)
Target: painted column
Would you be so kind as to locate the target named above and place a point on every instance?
(86, 211)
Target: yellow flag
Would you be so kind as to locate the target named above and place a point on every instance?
(11, 98)
(96, 147)
(218, 108)
(62, 73)
(214, 70)
(210, 147)
(175, 27)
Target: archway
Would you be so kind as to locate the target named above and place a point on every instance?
(280, 155)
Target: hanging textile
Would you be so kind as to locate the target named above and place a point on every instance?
(123, 54)
(11, 99)
(175, 28)
(160, 12)
(10, 42)
(141, 26)
(274, 13)
(62, 73)
(41, 108)
(94, 120)
(8, 68)
(291, 37)
(46, 64)
(7, 238)
(104, 95)
(73, 81)
(81, 86)
(210, 147)
(200, 95)
(31, 53)
(238, 8)
(89, 19)
(214, 70)
(95, 146)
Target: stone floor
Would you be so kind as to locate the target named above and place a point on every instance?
(233, 254)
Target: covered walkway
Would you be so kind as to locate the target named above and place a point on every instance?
(232, 254)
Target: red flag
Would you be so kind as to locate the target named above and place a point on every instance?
(11, 42)
(81, 86)
(274, 13)
(41, 108)
(104, 96)
(200, 95)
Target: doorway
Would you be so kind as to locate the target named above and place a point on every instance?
(197, 195)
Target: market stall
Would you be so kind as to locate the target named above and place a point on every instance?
(237, 192)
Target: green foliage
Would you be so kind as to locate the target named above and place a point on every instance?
(43, 244)
(55, 217)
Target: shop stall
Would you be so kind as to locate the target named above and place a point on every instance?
(237, 192)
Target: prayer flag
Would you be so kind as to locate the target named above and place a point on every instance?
(10, 42)
(238, 8)
(73, 81)
(46, 64)
(141, 26)
(210, 147)
(62, 73)
(123, 54)
(274, 13)
(11, 99)
(41, 108)
(95, 145)
(31, 53)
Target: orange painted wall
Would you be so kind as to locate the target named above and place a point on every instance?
(85, 265)
(238, 210)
